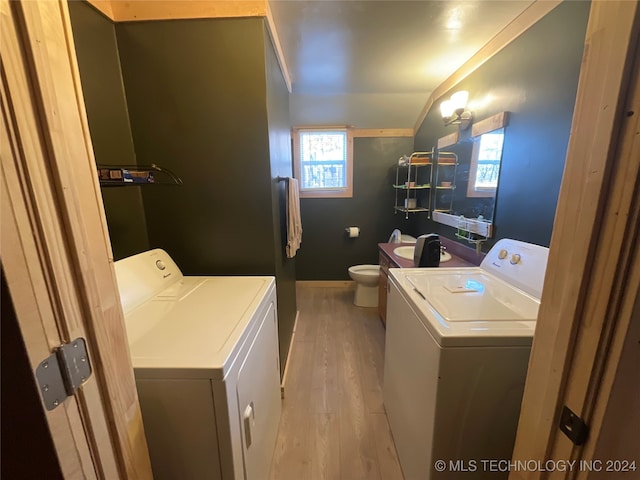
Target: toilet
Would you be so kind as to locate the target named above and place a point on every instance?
(398, 237)
(366, 278)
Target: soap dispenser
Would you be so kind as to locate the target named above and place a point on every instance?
(427, 251)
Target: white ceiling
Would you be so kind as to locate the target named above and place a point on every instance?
(374, 63)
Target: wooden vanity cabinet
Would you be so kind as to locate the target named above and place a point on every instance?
(383, 285)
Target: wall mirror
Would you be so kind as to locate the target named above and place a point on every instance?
(474, 181)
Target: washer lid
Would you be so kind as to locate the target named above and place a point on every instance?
(461, 296)
(197, 323)
(467, 307)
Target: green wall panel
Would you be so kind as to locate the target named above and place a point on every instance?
(535, 78)
(327, 252)
(105, 101)
(207, 100)
(197, 103)
(280, 159)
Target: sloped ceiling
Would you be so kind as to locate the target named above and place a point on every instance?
(374, 64)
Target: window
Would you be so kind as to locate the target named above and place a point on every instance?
(323, 162)
(485, 164)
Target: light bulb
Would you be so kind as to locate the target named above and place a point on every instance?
(446, 109)
(459, 99)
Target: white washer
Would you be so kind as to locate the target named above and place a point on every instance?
(456, 354)
(205, 356)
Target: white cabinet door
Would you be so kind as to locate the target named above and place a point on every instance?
(258, 394)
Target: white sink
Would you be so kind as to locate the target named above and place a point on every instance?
(407, 252)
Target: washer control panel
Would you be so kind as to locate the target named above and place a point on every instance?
(518, 263)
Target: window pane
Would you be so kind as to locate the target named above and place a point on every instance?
(323, 159)
(489, 154)
(491, 146)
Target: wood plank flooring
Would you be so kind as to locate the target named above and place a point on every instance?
(333, 423)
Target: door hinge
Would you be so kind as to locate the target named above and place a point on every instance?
(573, 426)
(63, 372)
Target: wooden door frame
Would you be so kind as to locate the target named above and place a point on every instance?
(593, 274)
(55, 247)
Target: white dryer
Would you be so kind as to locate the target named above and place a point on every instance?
(456, 355)
(205, 356)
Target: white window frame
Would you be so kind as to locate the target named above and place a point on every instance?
(345, 192)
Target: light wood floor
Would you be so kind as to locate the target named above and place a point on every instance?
(333, 423)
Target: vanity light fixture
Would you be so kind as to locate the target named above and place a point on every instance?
(453, 110)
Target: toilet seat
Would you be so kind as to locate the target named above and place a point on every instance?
(364, 267)
(367, 274)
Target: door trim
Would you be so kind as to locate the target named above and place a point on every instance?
(55, 248)
(593, 272)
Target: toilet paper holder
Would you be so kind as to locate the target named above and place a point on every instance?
(352, 232)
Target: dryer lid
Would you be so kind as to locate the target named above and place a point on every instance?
(200, 330)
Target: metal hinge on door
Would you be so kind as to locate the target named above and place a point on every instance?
(63, 372)
(573, 426)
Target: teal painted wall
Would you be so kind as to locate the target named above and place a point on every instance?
(327, 252)
(280, 159)
(106, 104)
(197, 104)
(206, 100)
(535, 78)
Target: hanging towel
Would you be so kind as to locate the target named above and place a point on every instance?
(294, 224)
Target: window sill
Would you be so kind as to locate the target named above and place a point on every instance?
(342, 193)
